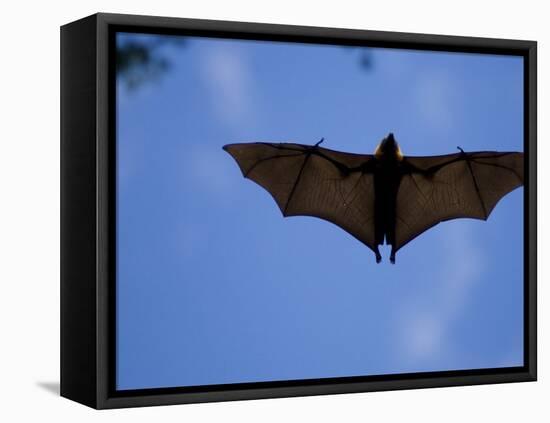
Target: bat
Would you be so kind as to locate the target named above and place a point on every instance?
(383, 197)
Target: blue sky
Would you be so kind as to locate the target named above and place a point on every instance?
(215, 286)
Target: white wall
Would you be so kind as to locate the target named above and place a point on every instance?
(29, 231)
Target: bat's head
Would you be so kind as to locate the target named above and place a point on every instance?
(388, 149)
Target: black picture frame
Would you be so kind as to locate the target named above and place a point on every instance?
(88, 201)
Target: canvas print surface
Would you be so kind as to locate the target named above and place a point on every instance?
(215, 286)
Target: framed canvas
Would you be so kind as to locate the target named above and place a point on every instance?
(405, 163)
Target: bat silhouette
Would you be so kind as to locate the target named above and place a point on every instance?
(381, 197)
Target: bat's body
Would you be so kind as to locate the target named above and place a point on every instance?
(387, 173)
(385, 197)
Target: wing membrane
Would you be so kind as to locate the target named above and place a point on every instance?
(440, 188)
(307, 181)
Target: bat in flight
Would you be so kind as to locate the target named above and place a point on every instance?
(384, 196)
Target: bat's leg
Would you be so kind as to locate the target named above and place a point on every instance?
(392, 255)
(378, 255)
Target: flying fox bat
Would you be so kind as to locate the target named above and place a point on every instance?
(384, 196)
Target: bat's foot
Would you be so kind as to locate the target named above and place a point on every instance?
(378, 256)
(392, 257)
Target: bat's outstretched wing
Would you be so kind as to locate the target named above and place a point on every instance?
(313, 181)
(438, 188)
